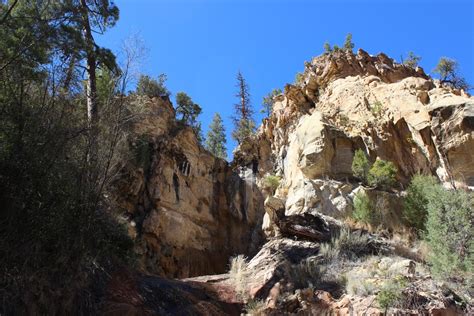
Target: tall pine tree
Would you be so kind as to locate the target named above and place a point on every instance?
(216, 140)
(244, 125)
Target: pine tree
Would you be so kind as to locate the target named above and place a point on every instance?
(348, 45)
(78, 21)
(151, 87)
(268, 101)
(189, 112)
(94, 15)
(244, 125)
(412, 60)
(216, 140)
(327, 48)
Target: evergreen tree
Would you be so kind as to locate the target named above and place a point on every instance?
(197, 128)
(327, 48)
(44, 138)
(348, 45)
(189, 112)
(106, 86)
(151, 87)
(450, 232)
(360, 165)
(216, 140)
(448, 72)
(244, 124)
(268, 101)
(412, 60)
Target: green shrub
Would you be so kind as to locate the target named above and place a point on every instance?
(416, 202)
(344, 119)
(391, 293)
(446, 218)
(449, 232)
(363, 208)
(360, 165)
(377, 109)
(382, 174)
(271, 182)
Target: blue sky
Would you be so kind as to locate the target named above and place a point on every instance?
(201, 45)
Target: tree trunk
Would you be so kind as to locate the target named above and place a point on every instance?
(92, 106)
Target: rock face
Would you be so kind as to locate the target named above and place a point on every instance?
(187, 210)
(391, 111)
(346, 102)
(351, 101)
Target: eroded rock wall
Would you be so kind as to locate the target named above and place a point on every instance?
(187, 210)
(346, 102)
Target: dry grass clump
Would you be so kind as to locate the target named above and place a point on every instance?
(306, 273)
(255, 307)
(239, 275)
(346, 245)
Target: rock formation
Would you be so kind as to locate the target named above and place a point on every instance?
(346, 102)
(187, 210)
(355, 101)
(190, 212)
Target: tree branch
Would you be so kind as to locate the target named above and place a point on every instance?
(9, 11)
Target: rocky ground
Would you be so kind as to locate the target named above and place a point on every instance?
(189, 212)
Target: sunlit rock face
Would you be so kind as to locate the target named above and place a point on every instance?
(187, 210)
(348, 101)
(345, 102)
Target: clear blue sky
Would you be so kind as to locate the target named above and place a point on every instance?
(201, 44)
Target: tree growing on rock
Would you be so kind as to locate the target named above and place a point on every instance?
(299, 78)
(381, 174)
(448, 72)
(412, 60)
(450, 232)
(189, 112)
(152, 87)
(244, 125)
(348, 44)
(268, 101)
(327, 48)
(216, 140)
(415, 210)
(360, 165)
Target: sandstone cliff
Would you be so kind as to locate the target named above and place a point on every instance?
(346, 102)
(190, 212)
(355, 101)
(187, 210)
